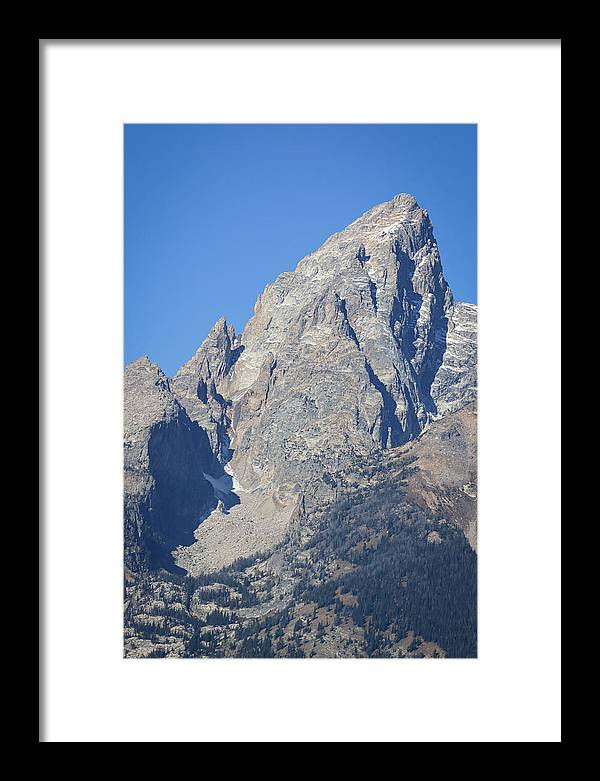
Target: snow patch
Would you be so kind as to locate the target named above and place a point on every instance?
(222, 485)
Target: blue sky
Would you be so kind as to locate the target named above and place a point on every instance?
(215, 212)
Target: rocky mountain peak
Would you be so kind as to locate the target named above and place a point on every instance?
(316, 477)
(356, 351)
(148, 396)
(200, 375)
(165, 453)
(144, 367)
(400, 220)
(356, 335)
(219, 334)
(401, 208)
(197, 383)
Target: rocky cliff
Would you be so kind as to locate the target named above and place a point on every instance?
(356, 351)
(165, 457)
(196, 386)
(341, 354)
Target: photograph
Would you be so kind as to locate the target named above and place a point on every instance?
(300, 391)
(300, 457)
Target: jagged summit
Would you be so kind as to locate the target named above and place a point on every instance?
(398, 219)
(219, 329)
(164, 455)
(341, 354)
(403, 206)
(196, 385)
(357, 350)
(142, 361)
(148, 394)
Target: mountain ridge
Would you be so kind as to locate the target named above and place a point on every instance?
(359, 349)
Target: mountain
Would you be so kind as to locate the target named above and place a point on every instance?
(196, 384)
(341, 354)
(360, 357)
(165, 454)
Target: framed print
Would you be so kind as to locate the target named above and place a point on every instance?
(300, 481)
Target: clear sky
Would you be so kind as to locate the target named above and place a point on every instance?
(213, 213)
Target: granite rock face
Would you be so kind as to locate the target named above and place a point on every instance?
(341, 355)
(357, 351)
(455, 383)
(165, 455)
(196, 386)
